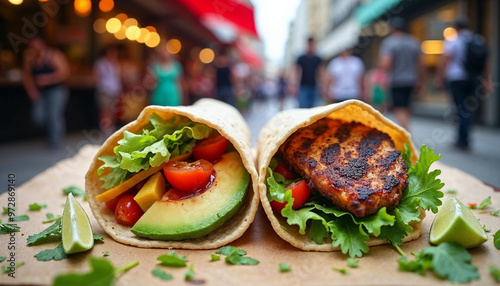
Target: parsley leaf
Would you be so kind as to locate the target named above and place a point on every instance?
(19, 218)
(54, 229)
(76, 191)
(226, 250)
(495, 272)
(102, 272)
(214, 257)
(36, 206)
(496, 239)
(52, 254)
(172, 260)
(341, 270)
(484, 203)
(8, 228)
(285, 267)
(351, 262)
(448, 260)
(161, 274)
(190, 273)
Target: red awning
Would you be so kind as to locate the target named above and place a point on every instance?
(248, 55)
(238, 14)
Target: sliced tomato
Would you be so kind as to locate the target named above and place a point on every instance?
(210, 148)
(127, 210)
(285, 171)
(300, 193)
(188, 177)
(111, 205)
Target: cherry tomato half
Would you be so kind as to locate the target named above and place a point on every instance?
(210, 148)
(127, 211)
(111, 205)
(285, 171)
(188, 177)
(300, 193)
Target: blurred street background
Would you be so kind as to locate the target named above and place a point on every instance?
(71, 72)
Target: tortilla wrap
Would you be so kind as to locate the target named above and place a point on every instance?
(285, 123)
(215, 114)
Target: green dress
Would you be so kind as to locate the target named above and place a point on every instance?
(167, 92)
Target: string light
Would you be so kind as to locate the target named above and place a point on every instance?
(153, 40)
(174, 46)
(106, 5)
(83, 7)
(113, 25)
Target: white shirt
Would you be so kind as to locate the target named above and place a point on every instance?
(456, 50)
(108, 81)
(347, 73)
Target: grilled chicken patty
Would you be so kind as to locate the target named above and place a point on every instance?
(355, 166)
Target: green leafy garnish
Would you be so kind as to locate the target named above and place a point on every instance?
(154, 145)
(320, 218)
(76, 191)
(451, 192)
(172, 259)
(190, 273)
(285, 267)
(2, 258)
(341, 270)
(351, 262)
(19, 218)
(56, 254)
(484, 203)
(226, 250)
(161, 274)
(8, 228)
(495, 213)
(105, 253)
(36, 206)
(496, 239)
(495, 272)
(102, 272)
(236, 256)
(51, 218)
(8, 210)
(214, 257)
(450, 261)
(97, 237)
(6, 268)
(54, 229)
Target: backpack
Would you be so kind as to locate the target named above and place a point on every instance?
(476, 55)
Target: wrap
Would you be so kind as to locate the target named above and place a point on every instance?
(285, 123)
(215, 114)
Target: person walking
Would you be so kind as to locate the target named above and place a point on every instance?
(167, 73)
(400, 56)
(462, 82)
(308, 70)
(224, 77)
(345, 77)
(108, 88)
(45, 71)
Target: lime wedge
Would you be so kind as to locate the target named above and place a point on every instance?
(77, 235)
(455, 222)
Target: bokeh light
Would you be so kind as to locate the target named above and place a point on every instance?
(83, 7)
(207, 55)
(174, 46)
(122, 17)
(151, 28)
(153, 40)
(106, 5)
(133, 32)
(143, 36)
(113, 25)
(16, 2)
(450, 33)
(121, 34)
(130, 22)
(432, 47)
(100, 26)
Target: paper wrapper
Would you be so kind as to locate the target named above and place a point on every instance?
(378, 267)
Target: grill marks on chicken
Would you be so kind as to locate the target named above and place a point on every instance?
(355, 166)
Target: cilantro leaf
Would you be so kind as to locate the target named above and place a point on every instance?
(351, 262)
(6, 268)
(102, 272)
(236, 259)
(36, 206)
(54, 229)
(172, 259)
(105, 253)
(341, 270)
(350, 237)
(19, 218)
(496, 239)
(495, 272)
(285, 267)
(419, 265)
(214, 257)
(484, 203)
(317, 232)
(2, 258)
(495, 213)
(76, 191)
(226, 250)
(190, 273)
(51, 218)
(407, 155)
(56, 254)
(8, 228)
(8, 210)
(97, 237)
(161, 274)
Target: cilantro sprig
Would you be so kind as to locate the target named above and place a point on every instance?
(236, 256)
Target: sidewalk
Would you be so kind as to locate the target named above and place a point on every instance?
(26, 159)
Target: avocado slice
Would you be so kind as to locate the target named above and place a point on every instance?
(197, 216)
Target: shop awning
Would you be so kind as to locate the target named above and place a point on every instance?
(233, 13)
(370, 11)
(344, 36)
(249, 56)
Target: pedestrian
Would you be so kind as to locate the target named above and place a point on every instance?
(108, 88)
(44, 74)
(462, 80)
(400, 56)
(282, 89)
(345, 77)
(308, 70)
(376, 84)
(167, 73)
(224, 77)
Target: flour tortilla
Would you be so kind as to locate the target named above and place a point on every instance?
(285, 123)
(215, 114)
